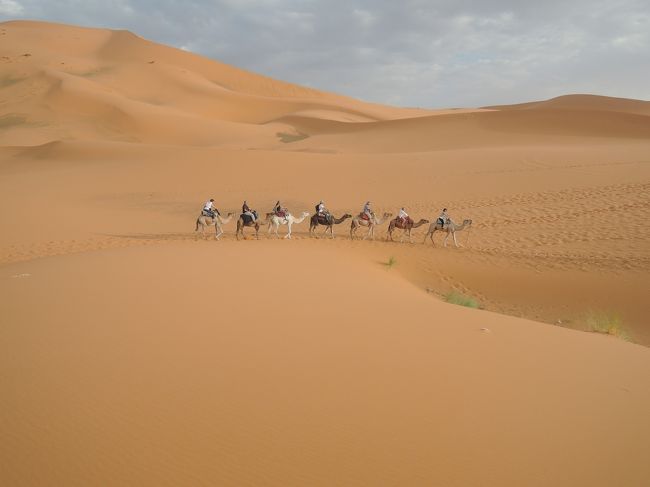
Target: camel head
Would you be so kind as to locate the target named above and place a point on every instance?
(305, 214)
(467, 222)
(347, 215)
(387, 215)
(423, 221)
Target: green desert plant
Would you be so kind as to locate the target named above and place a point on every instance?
(11, 120)
(9, 80)
(288, 138)
(391, 262)
(607, 323)
(455, 297)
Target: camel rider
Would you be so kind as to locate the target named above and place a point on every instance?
(279, 210)
(402, 215)
(209, 209)
(245, 210)
(443, 218)
(367, 211)
(321, 210)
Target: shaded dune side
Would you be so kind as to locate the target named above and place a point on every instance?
(466, 130)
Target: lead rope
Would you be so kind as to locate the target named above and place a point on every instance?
(467, 239)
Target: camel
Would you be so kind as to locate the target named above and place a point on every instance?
(206, 221)
(242, 222)
(328, 221)
(358, 221)
(451, 228)
(275, 221)
(406, 226)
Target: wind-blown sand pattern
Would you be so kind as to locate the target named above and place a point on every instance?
(133, 351)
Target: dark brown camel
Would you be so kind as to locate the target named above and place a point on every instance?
(407, 226)
(328, 221)
(241, 223)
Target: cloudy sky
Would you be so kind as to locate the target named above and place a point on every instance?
(424, 53)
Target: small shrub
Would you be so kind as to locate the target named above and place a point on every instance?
(288, 138)
(391, 262)
(461, 300)
(607, 323)
(11, 120)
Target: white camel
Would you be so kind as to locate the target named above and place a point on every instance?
(358, 221)
(206, 221)
(451, 228)
(275, 221)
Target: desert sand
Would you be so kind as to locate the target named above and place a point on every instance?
(135, 352)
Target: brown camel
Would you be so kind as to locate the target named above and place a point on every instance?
(358, 221)
(328, 221)
(407, 226)
(450, 228)
(206, 221)
(247, 222)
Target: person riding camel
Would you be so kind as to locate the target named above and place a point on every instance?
(245, 210)
(280, 210)
(322, 212)
(402, 216)
(366, 214)
(443, 219)
(209, 209)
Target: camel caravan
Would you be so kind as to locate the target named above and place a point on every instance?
(210, 216)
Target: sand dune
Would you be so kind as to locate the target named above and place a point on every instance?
(309, 385)
(134, 351)
(584, 102)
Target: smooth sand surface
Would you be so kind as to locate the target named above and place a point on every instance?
(133, 351)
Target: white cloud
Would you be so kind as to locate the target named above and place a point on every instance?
(413, 52)
(10, 8)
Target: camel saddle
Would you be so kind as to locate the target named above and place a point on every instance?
(281, 213)
(364, 216)
(247, 218)
(406, 221)
(324, 219)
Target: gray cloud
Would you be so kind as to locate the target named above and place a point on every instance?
(412, 53)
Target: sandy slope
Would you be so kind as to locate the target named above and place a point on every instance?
(133, 351)
(186, 364)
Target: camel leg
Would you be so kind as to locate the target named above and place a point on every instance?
(453, 234)
(444, 242)
(288, 235)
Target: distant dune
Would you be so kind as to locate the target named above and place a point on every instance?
(136, 351)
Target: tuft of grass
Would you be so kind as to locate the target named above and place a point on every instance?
(288, 138)
(461, 300)
(607, 323)
(8, 81)
(11, 120)
(391, 262)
